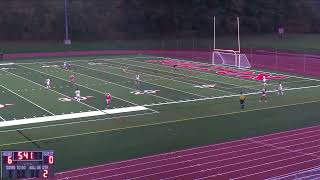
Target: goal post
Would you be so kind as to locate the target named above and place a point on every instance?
(230, 58)
(226, 56)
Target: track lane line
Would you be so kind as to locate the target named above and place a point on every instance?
(135, 165)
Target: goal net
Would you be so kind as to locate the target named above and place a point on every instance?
(230, 58)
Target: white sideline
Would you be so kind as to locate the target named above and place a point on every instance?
(70, 116)
(6, 64)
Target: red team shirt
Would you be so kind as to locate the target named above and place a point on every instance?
(72, 78)
(108, 98)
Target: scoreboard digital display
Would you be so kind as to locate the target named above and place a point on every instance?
(27, 164)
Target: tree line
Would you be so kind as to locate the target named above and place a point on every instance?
(136, 19)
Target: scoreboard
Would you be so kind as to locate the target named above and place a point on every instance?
(27, 164)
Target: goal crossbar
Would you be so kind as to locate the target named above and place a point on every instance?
(227, 56)
(230, 58)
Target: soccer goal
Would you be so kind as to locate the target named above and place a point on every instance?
(229, 57)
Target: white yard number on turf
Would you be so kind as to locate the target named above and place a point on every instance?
(206, 86)
(82, 98)
(144, 92)
(93, 64)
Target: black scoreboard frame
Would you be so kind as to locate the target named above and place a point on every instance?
(27, 164)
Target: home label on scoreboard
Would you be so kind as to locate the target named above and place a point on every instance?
(27, 164)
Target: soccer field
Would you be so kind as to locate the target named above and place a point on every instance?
(194, 104)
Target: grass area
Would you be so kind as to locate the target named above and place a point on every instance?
(293, 42)
(179, 115)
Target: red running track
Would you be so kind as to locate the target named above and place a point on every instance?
(253, 158)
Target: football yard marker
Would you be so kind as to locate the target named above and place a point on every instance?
(71, 116)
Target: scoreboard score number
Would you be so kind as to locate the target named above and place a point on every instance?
(27, 164)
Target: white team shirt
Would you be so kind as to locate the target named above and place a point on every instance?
(264, 79)
(77, 92)
(137, 77)
(280, 87)
(48, 81)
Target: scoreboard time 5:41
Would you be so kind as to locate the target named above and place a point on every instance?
(27, 164)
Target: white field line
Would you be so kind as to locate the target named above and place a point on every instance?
(144, 81)
(75, 135)
(311, 79)
(230, 77)
(214, 149)
(62, 61)
(27, 100)
(51, 89)
(226, 96)
(77, 84)
(194, 70)
(75, 122)
(222, 82)
(118, 84)
(70, 116)
(142, 57)
(275, 84)
(2, 118)
(162, 123)
(213, 75)
(104, 64)
(122, 86)
(192, 159)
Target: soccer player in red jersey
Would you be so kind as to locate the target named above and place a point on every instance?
(72, 78)
(108, 98)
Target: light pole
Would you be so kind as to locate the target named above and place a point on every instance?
(66, 39)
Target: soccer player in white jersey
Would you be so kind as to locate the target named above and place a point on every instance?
(48, 83)
(65, 65)
(137, 79)
(280, 89)
(77, 92)
(264, 80)
(263, 97)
